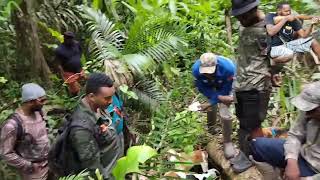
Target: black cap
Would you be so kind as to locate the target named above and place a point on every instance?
(242, 6)
(69, 34)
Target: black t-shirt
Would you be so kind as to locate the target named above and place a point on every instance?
(69, 57)
(286, 32)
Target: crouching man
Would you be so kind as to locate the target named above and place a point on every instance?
(300, 153)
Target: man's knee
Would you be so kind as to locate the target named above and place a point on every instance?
(315, 44)
(224, 112)
(268, 150)
(281, 51)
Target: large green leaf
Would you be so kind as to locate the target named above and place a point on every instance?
(97, 4)
(54, 33)
(138, 63)
(130, 163)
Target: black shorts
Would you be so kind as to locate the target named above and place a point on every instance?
(251, 108)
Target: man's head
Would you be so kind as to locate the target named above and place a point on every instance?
(208, 64)
(33, 96)
(99, 90)
(68, 38)
(283, 9)
(309, 100)
(246, 11)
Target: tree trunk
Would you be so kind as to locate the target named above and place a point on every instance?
(31, 62)
(229, 27)
(215, 152)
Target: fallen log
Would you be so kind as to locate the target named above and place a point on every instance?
(215, 152)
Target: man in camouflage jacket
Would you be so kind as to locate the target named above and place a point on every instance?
(253, 84)
(93, 142)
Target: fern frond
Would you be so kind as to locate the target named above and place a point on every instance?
(149, 93)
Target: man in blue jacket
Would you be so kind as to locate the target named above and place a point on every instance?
(214, 77)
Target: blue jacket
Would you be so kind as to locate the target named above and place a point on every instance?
(222, 83)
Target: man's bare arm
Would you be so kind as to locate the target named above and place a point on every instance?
(274, 29)
(277, 19)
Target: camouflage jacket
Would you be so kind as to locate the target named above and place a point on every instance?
(303, 139)
(91, 149)
(252, 60)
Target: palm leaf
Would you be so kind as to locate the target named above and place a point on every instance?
(155, 37)
(60, 14)
(100, 26)
(149, 93)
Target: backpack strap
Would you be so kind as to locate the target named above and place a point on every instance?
(20, 131)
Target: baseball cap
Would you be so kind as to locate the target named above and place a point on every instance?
(69, 34)
(208, 63)
(242, 6)
(309, 98)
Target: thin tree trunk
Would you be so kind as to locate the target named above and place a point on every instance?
(229, 27)
(31, 62)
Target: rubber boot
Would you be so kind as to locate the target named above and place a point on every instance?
(240, 163)
(211, 119)
(267, 171)
(244, 144)
(228, 148)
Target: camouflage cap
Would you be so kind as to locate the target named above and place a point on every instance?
(309, 98)
(242, 6)
(208, 63)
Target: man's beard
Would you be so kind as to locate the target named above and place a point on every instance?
(35, 109)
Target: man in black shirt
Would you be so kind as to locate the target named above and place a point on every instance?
(287, 35)
(68, 56)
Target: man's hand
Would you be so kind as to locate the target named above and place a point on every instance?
(205, 106)
(290, 18)
(34, 168)
(292, 171)
(227, 100)
(315, 20)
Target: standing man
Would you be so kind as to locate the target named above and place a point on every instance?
(93, 141)
(68, 57)
(253, 84)
(214, 77)
(24, 142)
(299, 153)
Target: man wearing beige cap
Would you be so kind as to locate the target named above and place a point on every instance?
(300, 153)
(214, 77)
(24, 142)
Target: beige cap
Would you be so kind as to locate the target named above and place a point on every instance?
(309, 98)
(208, 63)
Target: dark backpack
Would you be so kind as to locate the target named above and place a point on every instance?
(20, 131)
(58, 153)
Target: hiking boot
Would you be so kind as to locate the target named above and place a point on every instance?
(267, 171)
(229, 150)
(240, 163)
